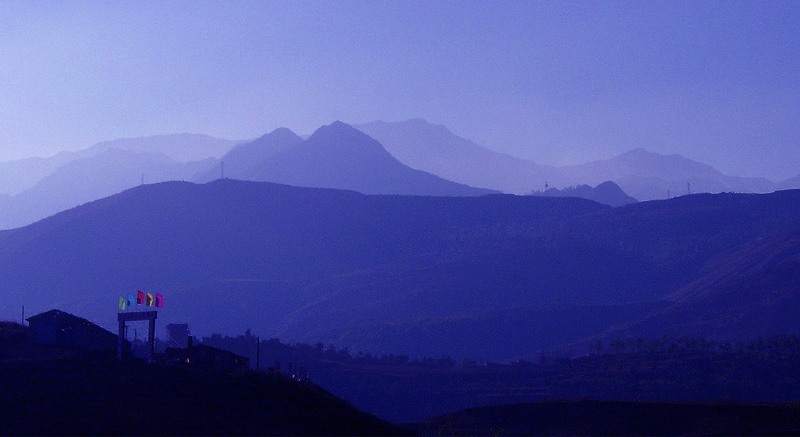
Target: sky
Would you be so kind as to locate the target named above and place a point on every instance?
(557, 82)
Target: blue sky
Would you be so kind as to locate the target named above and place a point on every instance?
(556, 82)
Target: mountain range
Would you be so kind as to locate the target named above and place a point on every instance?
(381, 163)
(493, 276)
(336, 156)
(641, 174)
(607, 193)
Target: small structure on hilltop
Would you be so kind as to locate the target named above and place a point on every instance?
(59, 328)
(178, 335)
(150, 316)
(206, 357)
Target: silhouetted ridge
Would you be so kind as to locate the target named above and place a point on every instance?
(607, 193)
(240, 161)
(340, 156)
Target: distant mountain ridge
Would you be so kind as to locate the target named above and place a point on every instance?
(85, 179)
(340, 156)
(649, 176)
(433, 148)
(607, 193)
(416, 143)
(641, 174)
(241, 159)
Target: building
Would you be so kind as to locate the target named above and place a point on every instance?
(206, 357)
(58, 328)
(178, 335)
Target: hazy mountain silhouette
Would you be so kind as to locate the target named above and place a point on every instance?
(791, 184)
(641, 174)
(86, 179)
(434, 149)
(18, 175)
(399, 271)
(648, 176)
(240, 161)
(340, 156)
(184, 147)
(607, 193)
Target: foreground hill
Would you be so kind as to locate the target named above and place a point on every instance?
(616, 418)
(104, 397)
(249, 249)
(751, 291)
(393, 274)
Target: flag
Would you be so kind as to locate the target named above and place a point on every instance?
(150, 301)
(123, 303)
(131, 299)
(159, 300)
(139, 297)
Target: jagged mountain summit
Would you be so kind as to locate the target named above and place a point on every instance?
(240, 161)
(340, 156)
(607, 193)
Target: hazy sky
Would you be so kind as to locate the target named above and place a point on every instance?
(556, 82)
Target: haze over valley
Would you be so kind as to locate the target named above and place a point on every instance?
(440, 215)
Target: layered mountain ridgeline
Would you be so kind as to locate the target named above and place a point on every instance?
(335, 156)
(339, 157)
(40, 187)
(96, 396)
(242, 159)
(641, 174)
(607, 193)
(433, 148)
(504, 275)
(648, 176)
(18, 175)
(86, 179)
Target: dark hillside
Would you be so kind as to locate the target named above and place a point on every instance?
(377, 270)
(175, 237)
(103, 397)
(751, 291)
(617, 418)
